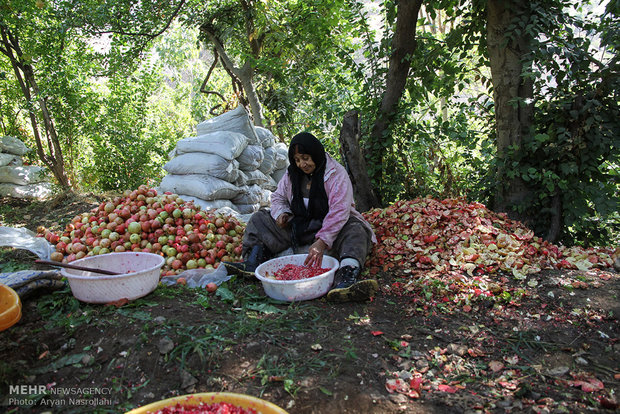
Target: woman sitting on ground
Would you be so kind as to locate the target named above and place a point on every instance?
(313, 204)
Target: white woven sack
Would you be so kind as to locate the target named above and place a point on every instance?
(270, 185)
(242, 179)
(236, 120)
(278, 174)
(226, 144)
(39, 190)
(208, 205)
(22, 175)
(251, 158)
(201, 186)
(281, 156)
(12, 146)
(203, 163)
(10, 159)
(247, 208)
(256, 177)
(268, 164)
(251, 195)
(265, 136)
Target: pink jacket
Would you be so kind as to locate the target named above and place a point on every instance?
(339, 195)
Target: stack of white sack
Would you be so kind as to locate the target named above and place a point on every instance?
(228, 164)
(19, 180)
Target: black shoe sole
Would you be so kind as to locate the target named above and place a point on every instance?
(357, 292)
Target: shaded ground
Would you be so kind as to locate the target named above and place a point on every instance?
(549, 346)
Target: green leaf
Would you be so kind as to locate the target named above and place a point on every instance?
(326, 391)
(225, 294)
(264, 308)
(135, 314)
(59, 363)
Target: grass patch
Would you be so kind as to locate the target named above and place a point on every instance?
(14, 260)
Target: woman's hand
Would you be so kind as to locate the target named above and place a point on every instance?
(283, 219)
(315, 254)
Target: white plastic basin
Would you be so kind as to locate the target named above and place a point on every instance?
(138, 276)
(296, 290)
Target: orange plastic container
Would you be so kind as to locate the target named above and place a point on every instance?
(10, 307)
(240, 400)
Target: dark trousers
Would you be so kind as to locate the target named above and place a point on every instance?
(354, 239)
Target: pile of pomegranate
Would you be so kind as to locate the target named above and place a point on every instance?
(144, 221)
(420, 234)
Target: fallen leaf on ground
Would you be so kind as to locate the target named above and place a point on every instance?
(496, 366)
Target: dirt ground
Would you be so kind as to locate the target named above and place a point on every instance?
(548, 346)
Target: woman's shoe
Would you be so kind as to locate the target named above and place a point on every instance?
(347, 288)
(247, 267)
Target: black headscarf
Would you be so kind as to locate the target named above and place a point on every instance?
(307, 220)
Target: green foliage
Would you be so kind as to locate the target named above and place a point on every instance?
(112, 133)
(145, 114)
(58, 60)
(120, 96)
(297, 54)
(8, 262)
(438, 145)
(571, 160)
(121, 150)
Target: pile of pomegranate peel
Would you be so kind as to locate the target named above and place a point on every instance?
(454, 235)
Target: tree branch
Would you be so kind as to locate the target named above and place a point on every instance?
(148, 35)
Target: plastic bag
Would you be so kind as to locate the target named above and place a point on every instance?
(242, 179)
(265, 198)
(232, 212)
(26, 282)
(199, 278)
(22, 238)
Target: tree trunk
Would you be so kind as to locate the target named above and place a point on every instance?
(363, 194)
(512, 95)
(244, 75)
(403, 46)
